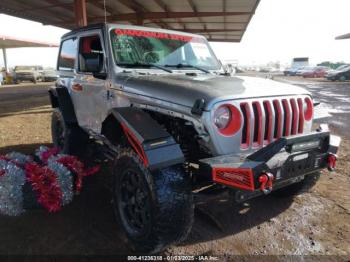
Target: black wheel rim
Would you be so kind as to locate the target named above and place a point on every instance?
(134, 202)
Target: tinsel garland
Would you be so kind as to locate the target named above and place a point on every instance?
(65, 163)
(44, 183)
(51, 179)
(12, 179)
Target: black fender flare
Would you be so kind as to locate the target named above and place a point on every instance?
(60, 98)
(155, 146)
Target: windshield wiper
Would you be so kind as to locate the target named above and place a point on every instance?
(138, 64)
(190, 66)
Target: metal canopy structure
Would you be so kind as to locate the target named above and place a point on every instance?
(12, 42)
(218, 20)
(346, 36)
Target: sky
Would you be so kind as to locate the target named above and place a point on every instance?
(279, 31)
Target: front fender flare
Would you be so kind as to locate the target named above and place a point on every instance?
(155, 146)
(60, 98)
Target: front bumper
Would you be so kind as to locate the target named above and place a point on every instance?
(283, 162)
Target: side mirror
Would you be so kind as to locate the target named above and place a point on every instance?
(94, 64)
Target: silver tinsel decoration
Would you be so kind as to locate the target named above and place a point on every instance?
(64, 179)
(19, 158)
(13, 178)
(11, 183)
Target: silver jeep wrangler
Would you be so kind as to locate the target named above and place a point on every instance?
(179, 128)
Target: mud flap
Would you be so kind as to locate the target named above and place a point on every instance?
(155, 146)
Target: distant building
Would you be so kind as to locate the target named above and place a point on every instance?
(300, 61)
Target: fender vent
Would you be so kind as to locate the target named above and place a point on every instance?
(235, 177)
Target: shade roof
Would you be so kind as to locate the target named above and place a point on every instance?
(218, 20)
(14, 42)
(346, 36)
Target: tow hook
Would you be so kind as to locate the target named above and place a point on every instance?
(331, 161)
(266, 180)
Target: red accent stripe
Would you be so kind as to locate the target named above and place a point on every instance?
(236, 177)
(287, 117)
(135, 143)
(279, 118)
(247, 130)
(295, 116)
(301, 116)
(270, 115)
(259, 127)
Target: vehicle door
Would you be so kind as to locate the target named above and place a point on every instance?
(88, 92)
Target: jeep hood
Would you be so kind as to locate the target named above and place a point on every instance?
(185, 90)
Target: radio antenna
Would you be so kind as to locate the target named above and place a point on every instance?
(105, 11)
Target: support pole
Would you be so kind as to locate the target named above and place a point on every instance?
(80, 13)
(5, 59)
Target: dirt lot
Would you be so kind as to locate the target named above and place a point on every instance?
(313, 223)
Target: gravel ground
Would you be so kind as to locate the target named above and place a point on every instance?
(313, 223)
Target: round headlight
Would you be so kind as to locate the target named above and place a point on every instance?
(227, 119)
(222, 117)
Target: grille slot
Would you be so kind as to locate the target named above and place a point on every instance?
(294, 116)
(278, 119)
(257, 124)
(265, 121)
(301, 116)
(286, 119)
(245, 142)
(268, 121)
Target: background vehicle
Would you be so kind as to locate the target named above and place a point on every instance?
(28, 73)
(175, 127)
(302, 69)
(2, 76)
(339, 74)
(49, 74)
(291, 71)
(318, 71)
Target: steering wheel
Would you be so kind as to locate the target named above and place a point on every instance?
(151, 57)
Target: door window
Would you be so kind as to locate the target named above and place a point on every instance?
(90, 54)
(67, 55)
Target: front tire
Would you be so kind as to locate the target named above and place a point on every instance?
(155, 209)
(71, 139)
(303, 186)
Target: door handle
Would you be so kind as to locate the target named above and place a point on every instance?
(77, 87)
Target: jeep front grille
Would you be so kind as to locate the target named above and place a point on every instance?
(268, 120)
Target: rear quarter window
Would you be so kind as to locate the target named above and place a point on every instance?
(68, 54)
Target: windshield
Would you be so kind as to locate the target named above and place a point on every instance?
(18, 68)
(138, 47)
(346, 68)
(342, 67)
